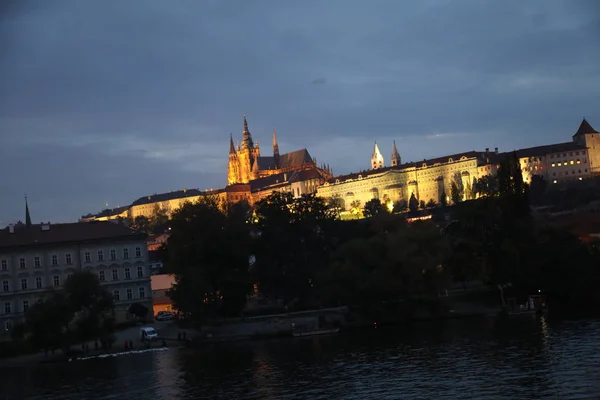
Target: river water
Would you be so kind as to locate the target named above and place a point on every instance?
(527, 358)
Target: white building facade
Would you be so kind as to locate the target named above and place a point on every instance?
(39, 258)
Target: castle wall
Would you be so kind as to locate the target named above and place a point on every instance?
(427, 182)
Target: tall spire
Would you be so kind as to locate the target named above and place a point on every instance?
(231, 145)
(377, 158)
(247, 142)
(395, 156)
(275, 149)
(27, 215)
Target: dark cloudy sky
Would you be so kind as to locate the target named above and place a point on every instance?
(107, 101)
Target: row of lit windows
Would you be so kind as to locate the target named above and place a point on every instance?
(571, 162)
(37, 261)
(116, 297)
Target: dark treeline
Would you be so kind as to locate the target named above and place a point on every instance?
(299, 252)
(82, 311)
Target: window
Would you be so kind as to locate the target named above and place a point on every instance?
(69, 275)
(101, 276)
(571, 162)
(125, 253)
(24, 284)
(87, 256)
(5, 286)
(25, 305)
(54, 260)
(116, 295)
(68, 259)
(21, 263)
(36, 262)
(56, 281)
(554, 165)
(7, 309)
(8, 325)
(100, 255)
(142, 292)
(113, 254)
(115, 275)
(127, 273)
(578, 161)
(559, 164)
(138, 252)
(140, 271)
(129, 294)
(4, 265)
(38, 282)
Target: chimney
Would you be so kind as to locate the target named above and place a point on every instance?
(487, 150)
(11, 228)
(496, 150)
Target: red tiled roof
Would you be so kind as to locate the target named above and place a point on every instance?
(66, 233)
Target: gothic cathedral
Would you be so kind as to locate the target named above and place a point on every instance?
(246, 164)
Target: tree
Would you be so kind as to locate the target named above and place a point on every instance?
(336, 204)
(159, 219)
(398, 261)
(48, 321)
(142, 223)
(443, 199)
(431, 203)
(373, 208)
(413, 203)
(208, 251)
(457, 189)
(294, 236)
(537, 189)
(90, 303)
(355, 208)
(400, 206)
(486, 186)
(422, 204)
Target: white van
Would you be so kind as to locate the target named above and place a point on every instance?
(148, 333)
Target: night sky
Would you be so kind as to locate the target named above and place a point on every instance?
(107, 101)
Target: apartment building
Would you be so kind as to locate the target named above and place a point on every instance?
(35, 259)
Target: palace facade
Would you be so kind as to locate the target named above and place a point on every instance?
(432, 179)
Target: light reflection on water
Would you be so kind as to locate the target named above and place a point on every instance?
(515, 359)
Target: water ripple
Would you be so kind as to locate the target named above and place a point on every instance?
(515, 359)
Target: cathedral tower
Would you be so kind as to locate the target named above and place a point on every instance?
(377, 158)
(275, 150)
(395, 156)
(241, 161)
(233, 168)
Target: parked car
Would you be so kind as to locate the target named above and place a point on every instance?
(165, 316)
(148, 333)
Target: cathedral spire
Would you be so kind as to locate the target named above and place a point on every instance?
(247, 142)
(231, 145)
(395, 156)
(377, 158)
(27, 215)
(275, 149)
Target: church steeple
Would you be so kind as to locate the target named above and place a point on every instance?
(275, 149)
(395, 156)
(377, 158)
(247, 142)
(27, 215)
(231, 145)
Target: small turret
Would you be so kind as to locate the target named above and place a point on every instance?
(395, 156)
(377, 158)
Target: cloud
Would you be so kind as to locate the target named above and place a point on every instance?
(99, 100)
